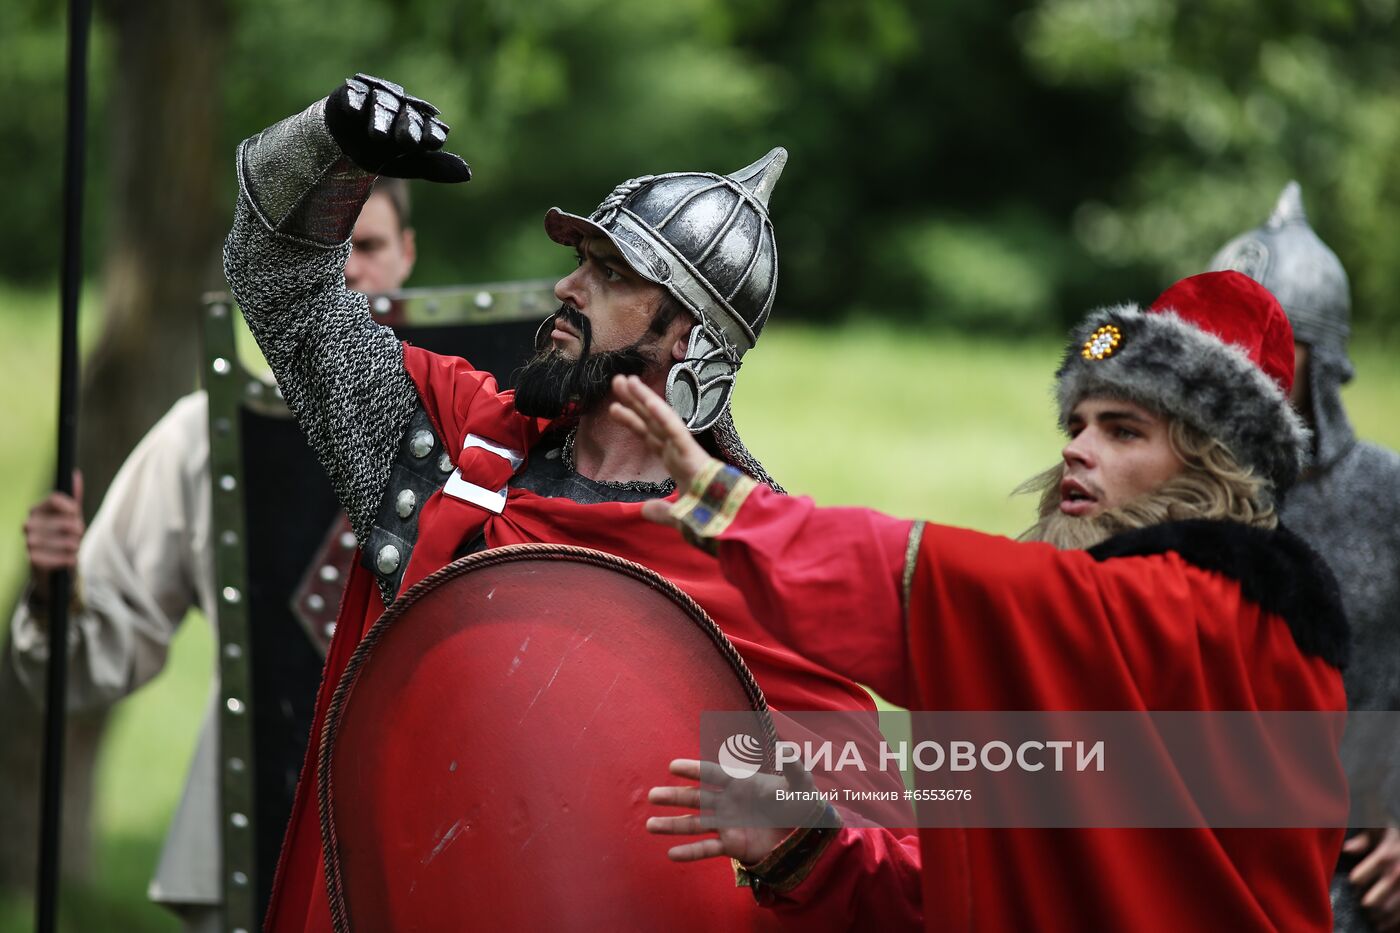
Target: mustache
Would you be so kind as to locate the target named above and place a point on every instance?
(574, 318)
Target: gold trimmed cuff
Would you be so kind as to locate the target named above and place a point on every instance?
(710, 504)
(911, 561)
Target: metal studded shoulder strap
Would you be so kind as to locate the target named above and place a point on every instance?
(420, 468)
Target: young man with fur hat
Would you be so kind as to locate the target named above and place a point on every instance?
(1172, 588)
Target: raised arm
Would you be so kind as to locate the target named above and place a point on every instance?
(301, 184)
(1148, 619)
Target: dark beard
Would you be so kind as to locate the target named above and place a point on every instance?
(550, 384)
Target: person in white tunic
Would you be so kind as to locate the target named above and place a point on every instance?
(147, 560)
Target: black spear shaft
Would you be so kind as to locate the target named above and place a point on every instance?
(61, 582)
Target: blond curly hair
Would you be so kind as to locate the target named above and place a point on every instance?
(1212, 485)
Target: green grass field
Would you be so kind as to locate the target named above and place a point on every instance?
(913, 423)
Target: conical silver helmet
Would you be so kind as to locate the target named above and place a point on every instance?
(708, 240)
(1290, 260)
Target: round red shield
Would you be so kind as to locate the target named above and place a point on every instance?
(486, 758)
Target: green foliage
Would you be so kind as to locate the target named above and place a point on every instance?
(1229, 100)
(969, 163)
(995, 275)
(896, 114)
(32, 49)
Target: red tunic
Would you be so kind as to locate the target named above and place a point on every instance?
(460, 400)
(994, 624)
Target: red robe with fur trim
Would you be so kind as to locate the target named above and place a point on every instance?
(461, 400)
(994, 624)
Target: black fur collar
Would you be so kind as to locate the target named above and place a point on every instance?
(1274, 569)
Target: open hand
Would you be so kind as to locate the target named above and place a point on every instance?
(722, 802)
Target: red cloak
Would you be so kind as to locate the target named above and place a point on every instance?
(994, 624)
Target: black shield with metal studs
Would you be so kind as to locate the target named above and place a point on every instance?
(283, 551)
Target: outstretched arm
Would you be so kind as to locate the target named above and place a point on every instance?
(301, 184)
(831, 583)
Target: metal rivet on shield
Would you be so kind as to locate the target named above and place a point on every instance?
(445, 463)
(315, 602)
(381, 305)
(231, 595)
(227, 482)
(233, 651)
(422, 443)
(239, 820)
(405, 502)
(221, 366)
(239, 878)
(330, 629)
(235, 706)
(387, 560)
(483, 300)
(330, 573)
(347, 540)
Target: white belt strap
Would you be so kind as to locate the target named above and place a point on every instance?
(460, 488)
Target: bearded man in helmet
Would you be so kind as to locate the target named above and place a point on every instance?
(676, 278)
(1346, 504)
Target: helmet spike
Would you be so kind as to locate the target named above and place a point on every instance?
(1286, 256)
(1289, 209)
(761, 177)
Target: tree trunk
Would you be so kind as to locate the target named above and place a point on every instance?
(160, 253)
(164, 221)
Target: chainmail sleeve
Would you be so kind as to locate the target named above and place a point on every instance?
(341, 373)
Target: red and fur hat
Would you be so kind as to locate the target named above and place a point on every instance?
(1215, 350)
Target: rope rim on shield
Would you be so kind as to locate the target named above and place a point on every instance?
(340, 919)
